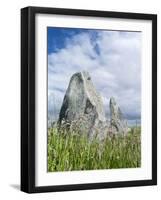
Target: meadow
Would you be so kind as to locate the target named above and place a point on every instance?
(70, 151)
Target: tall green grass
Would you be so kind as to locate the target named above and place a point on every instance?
(72, 151)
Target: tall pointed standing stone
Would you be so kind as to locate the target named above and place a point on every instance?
(118, 124)
(83, 106)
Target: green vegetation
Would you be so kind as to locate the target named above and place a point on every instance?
(71, 151)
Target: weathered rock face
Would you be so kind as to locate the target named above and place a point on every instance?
(82, 110)
(82, 106)
(118, 124)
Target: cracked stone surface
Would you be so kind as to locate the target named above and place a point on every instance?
(83, 109)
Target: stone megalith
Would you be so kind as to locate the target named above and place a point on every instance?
(82, 107)
(118, 125)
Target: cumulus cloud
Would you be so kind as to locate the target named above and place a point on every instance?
(113, 59)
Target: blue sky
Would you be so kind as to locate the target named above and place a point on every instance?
(113, 59)
(57, 37)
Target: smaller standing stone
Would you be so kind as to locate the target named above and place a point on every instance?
(118, 124)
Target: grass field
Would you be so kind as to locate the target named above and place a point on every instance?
(71, 151)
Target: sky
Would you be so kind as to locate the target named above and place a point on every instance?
(113, 59)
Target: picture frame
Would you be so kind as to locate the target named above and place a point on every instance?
(31, 28)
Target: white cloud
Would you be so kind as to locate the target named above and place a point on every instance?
(112, 58)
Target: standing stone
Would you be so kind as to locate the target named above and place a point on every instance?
(82, 107)
(82, 110)
(118, 124)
